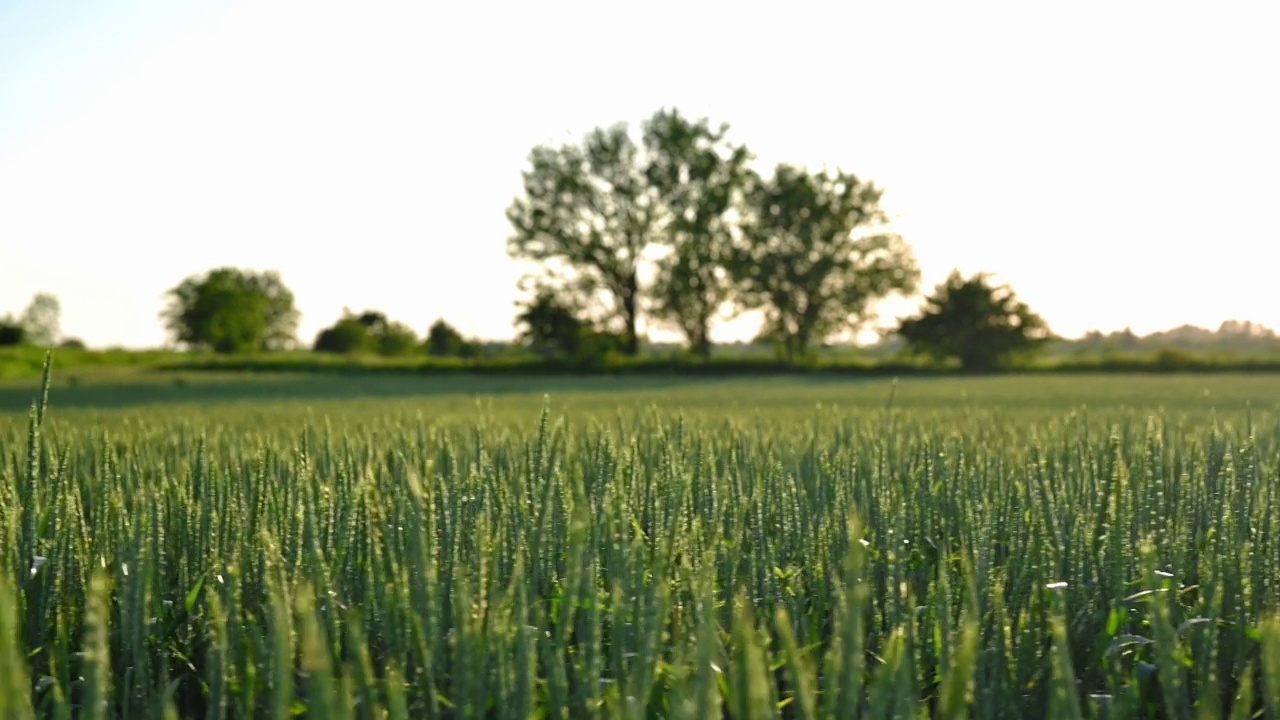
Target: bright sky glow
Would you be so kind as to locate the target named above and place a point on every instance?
(1116, 163)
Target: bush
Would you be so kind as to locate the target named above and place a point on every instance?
(443, 340)
(369, 332)
(347, 336)
(12, 333)
(396, 340)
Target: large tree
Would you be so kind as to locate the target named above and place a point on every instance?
(588, 214)
(814, 255)
(981, 325)
(232, 310)
(698, 176)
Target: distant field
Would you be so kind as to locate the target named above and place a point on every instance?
(1030, 395)
(205, 544)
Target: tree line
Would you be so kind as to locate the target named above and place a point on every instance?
(677, 226)
(39, 324)
(683, 206)
(230, 310)
(234, 310)
(674, 227)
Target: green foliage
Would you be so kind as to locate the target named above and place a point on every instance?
(368, 332)
(682, 552)
(548, 325)
(11, 332)
(811, 256)
(398, 340)
(443, 340)
(347, 336)
(518, 361)
(27, 360)
(985, 327)
(229, 310)
(393, 338)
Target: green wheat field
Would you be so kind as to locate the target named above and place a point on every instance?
(244, 546)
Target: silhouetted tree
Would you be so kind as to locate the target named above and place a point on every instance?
(11, 332)
(41, 320)
(396, 339)
(589, 215)
(1247, 329)
(370, 331)
(373, 320)
(809, 258)
(985, 327)
(232, 310)
(444, 340)
(347, 336)
(698, 177)
(548, 325)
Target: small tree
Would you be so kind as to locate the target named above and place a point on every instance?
(985, 327)
(370, 331)
(231, 310)
(11, 332)
(549, 325)
(347, 336)
(41, 320)
(444, 340)
(389, 337)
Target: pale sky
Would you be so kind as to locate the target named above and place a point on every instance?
(1117, 163)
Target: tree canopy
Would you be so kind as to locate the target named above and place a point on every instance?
(232, 310)
(968, 319)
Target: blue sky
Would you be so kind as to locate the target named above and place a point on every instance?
(1115, 164)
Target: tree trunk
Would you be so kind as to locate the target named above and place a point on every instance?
(698, 334)
(630, 298)
(702, 346)
(799, 343)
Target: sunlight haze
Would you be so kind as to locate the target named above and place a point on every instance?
(1114, 163)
